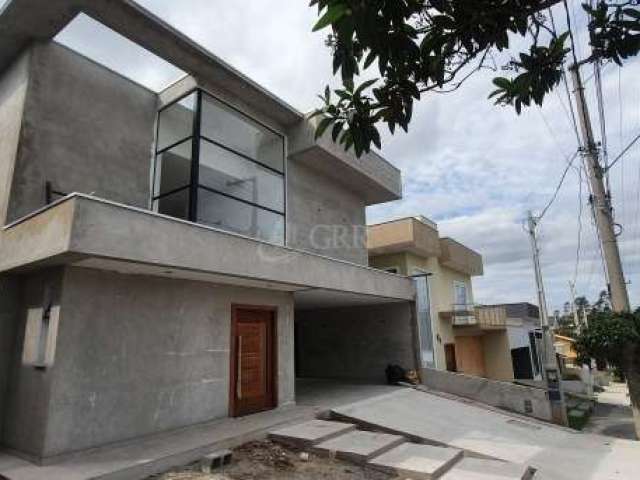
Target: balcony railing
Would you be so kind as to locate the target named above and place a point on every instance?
(485, 318)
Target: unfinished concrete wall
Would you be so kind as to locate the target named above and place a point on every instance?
(9, 311)
(13, 91)
(355, 342)
(138, 355)
(27, 408)
(85, 129)
(323, 216)
(516, 398)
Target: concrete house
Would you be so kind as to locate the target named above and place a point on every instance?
(455, 334)
(175, 256)
(525, 338)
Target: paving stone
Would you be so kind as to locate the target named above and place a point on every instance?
(359, 446)
(304, 435)
(481, 469)
(416, 461)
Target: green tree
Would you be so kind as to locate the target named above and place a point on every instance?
(614, 338)
(421, 46)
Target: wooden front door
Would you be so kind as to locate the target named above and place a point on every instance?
(450, 357)
(253, 360)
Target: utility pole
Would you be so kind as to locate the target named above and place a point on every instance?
(574, 312)
(551, 369)
(601, 201)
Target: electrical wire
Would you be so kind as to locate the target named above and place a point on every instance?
(574, 122)
(623, 152)
(595, 224)
(559, 186)
(621, 129)
(552, 134)
(574, 52)
(579, 247)
(597, 71)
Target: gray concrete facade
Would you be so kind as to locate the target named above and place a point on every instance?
(115, 320)
(85, 129)
(356, 342)
(135, 355)
(13, 92)
(324, 217)
(27, 406)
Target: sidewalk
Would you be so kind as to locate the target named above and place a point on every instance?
(612, 415)
(156, 454)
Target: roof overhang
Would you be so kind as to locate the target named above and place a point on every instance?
(371, 176)
(25, 21)
(85, 231)
(403, 235)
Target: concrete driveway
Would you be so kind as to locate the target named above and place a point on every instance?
(558, 453)
(612, 414)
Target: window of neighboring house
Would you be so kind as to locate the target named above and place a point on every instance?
(216, 166)
(424, 318)
(392, 270)
(460, 298)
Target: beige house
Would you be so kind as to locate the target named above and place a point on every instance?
(455, 334)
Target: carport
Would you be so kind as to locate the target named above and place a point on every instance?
(345, 341)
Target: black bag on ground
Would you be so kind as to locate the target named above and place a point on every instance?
(395, 374)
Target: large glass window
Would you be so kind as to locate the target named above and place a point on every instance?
(216, 166)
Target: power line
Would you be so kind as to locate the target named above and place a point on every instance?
(595, 224)
(597, 71)
(623, 152)
(559, 186)
(578, 248)
(571, 36)
(622, 199)
(574, 122)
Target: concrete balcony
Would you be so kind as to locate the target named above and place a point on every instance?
(370, 176)
(415, 235)
(460, 258)
(85, 231)
(476, 318)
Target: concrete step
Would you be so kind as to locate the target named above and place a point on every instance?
(417, 461)
(358, 446)
(483, 469)
(305, 435)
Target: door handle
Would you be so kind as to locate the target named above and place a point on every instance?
(239, 377)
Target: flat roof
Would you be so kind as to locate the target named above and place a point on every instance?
(419, 218)
(23, 22)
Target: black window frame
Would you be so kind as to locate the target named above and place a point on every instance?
(196, 138)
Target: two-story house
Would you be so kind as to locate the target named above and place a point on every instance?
(172, 256)
(454, 333)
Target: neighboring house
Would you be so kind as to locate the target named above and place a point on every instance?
(172, 257)
(455, 334)
(566, 349)
(523, 329)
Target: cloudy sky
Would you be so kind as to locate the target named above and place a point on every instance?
(471, 166)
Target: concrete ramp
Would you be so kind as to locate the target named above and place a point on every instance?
(557, 453)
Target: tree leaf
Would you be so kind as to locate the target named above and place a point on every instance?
(322, 126)
(333, 14)
(364, 86)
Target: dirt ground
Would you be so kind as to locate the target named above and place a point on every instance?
(266, 460)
